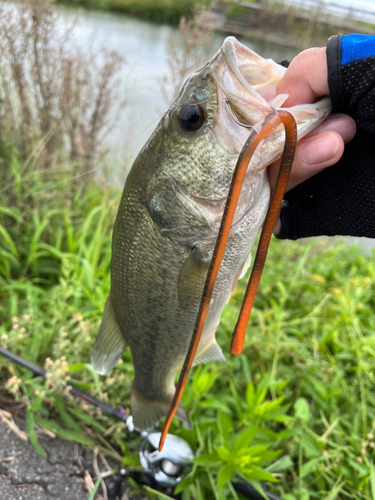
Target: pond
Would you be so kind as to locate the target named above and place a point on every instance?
(145, 47)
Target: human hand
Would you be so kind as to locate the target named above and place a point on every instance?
(305, 81)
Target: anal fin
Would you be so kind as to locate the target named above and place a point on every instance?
(212, 352)
(109, 344)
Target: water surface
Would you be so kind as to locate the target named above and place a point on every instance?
(145, 48)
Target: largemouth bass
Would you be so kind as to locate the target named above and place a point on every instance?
(169, 217)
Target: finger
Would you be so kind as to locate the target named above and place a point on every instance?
(343, 124)
(305, 78)
(277, 227)
(312, 155)
(313, 159)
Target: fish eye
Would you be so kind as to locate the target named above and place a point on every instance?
(190, 117)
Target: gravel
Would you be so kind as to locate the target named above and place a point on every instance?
(25, 475)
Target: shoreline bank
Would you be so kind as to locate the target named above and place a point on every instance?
(276, 23)
(159, 11)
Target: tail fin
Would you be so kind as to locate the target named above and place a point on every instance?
(147, 412)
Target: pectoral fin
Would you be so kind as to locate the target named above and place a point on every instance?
(109, 344)
(191, 280)
(240, 274)
(245, 267)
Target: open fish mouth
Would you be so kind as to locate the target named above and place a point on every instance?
(257, 75)
(244, 78)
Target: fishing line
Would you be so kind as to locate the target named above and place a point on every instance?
(272, 120)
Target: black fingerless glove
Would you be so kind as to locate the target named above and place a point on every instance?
(340, 200)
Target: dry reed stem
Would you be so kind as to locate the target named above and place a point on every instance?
(51, 91)
(50, 434)
(6, 417)
(88, 481)
(97, 472)
(105, 463)
(189, 51)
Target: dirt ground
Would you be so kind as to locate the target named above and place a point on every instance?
(63, 475)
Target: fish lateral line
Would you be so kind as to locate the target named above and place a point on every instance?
(272, 120)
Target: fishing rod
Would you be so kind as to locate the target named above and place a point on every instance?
(162, 471)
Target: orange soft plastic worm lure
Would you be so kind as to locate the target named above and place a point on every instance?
(275, 118)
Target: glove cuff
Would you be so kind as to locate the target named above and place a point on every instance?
(334, 73)
(285, 230)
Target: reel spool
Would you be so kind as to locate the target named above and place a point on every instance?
(167, 467)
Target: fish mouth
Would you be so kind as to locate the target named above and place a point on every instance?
(256, 75)
(244, 77)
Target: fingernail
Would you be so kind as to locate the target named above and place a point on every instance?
(344, 125)
(320, 150)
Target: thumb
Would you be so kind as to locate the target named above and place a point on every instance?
(305, 79)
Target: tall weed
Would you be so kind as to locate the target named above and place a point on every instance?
(55, 97)
(297, 406)
(188, 51)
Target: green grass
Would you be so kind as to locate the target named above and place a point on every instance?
(297, 406)
(236, 10)
(367, 25)
(167, 11)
